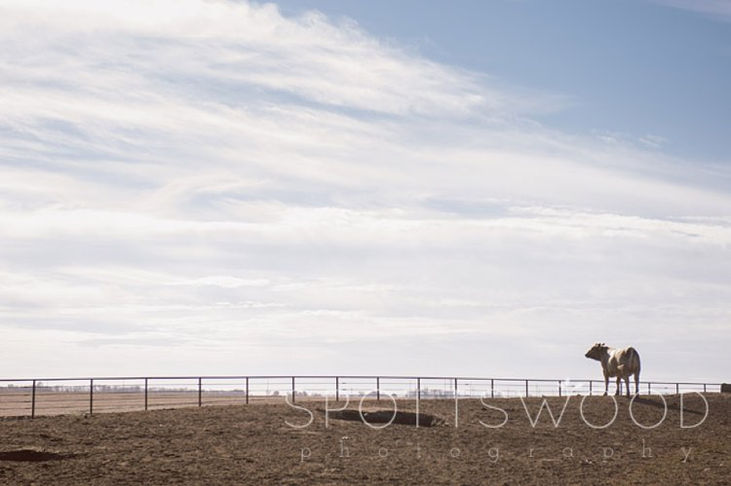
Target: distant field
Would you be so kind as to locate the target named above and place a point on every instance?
(254, 445)
(57, 403)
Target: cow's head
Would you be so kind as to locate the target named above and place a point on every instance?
(596, 351)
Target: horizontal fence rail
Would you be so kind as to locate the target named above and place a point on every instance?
(55, 396)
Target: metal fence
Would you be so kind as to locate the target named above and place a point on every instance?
(53, 396)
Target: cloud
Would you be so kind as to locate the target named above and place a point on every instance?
(240, 182)
(253, 48)
(717, 9)
(653, 141)
(225, 281)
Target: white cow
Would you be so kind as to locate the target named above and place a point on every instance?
(617, 362)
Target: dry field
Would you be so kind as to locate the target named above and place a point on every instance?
(222, 445)
(61, 403)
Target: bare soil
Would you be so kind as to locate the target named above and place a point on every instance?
(258, 444)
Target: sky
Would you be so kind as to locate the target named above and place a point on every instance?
(339, 187)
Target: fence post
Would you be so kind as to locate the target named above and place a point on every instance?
(649, 388)
(526, 388)
(200, 392)
(492, 387)
(418, 389)
(590, 382)
(337, 389)
(145, 394)
(704, 387)
(91, 396)
(455, 387)
(677, 388)
(378, 388)
(293, 393)
(33, 401)
(247, 390)
(559, 388)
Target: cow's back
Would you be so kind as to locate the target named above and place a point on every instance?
(626, 361)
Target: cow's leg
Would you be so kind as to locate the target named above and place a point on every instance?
(619, 386)
(626, 381)
(637, 383)
(606, 385)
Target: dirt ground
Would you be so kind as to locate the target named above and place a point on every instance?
(258, 444)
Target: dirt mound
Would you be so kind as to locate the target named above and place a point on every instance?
(31, 455)
(387, 417)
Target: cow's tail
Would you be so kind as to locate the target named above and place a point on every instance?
(634, 359)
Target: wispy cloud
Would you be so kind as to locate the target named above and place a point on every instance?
(229, 178)
(718, 9)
